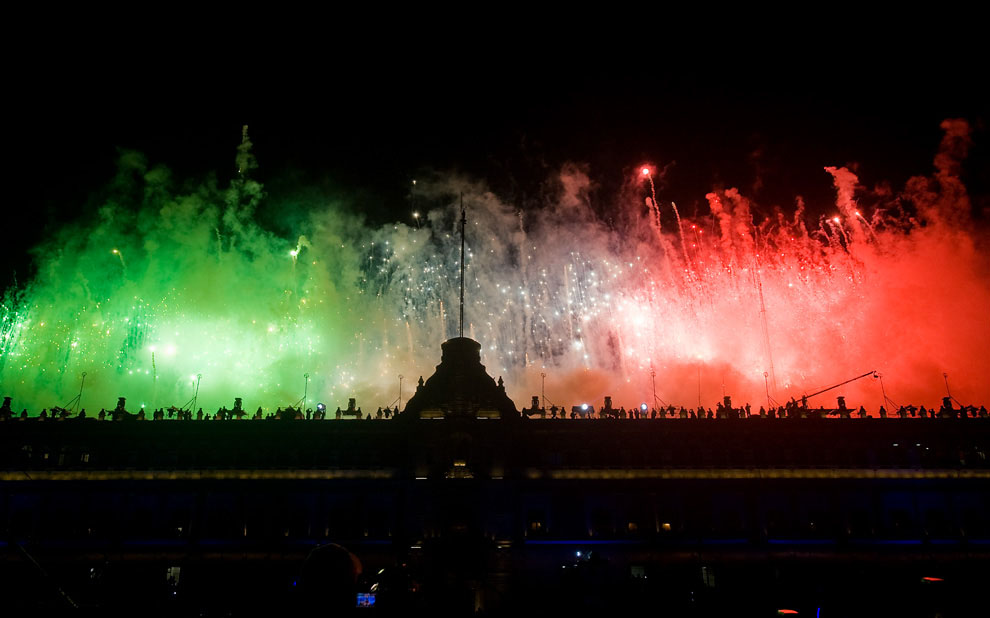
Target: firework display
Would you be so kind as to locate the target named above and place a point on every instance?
(177, 291)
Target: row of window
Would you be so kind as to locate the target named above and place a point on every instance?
(899, 456)
(380, 515)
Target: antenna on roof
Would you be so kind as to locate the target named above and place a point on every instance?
(463, 223)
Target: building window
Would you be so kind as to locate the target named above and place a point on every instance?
(536, 523)
(707, 577)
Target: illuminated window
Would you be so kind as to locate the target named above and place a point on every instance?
(536, 522)
(708, 577)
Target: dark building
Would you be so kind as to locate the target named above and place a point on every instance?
(460, 388)
(461, 505)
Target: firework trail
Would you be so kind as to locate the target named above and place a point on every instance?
(207, 290)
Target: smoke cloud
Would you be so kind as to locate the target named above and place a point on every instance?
(172, 281)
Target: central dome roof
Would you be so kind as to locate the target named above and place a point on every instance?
(460, 387)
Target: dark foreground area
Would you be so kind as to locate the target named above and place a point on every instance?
(700, 581)
(467, 516)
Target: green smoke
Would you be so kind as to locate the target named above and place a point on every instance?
(173, 280)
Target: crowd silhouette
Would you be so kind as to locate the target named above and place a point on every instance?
(793, 409)
(724, 410)
(173, 413)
